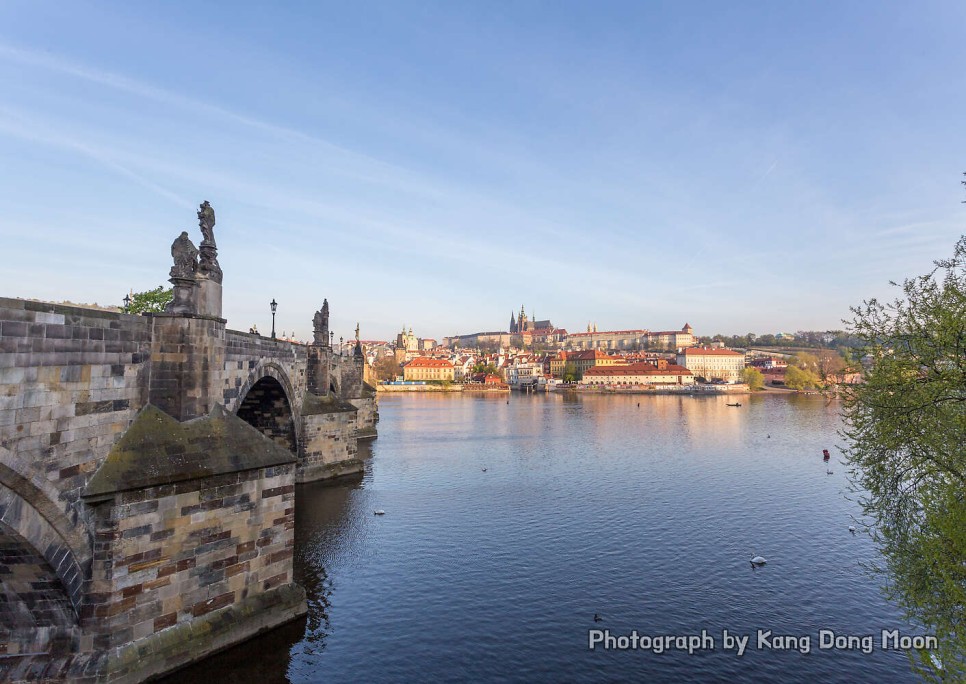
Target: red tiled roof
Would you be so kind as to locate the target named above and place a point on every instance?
(705, 351)
(587, 355)
(637, 369)
(423, 362)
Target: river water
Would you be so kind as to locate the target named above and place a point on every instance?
(644, 510)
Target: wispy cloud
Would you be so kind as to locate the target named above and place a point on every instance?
(762, 177)
(18, 126)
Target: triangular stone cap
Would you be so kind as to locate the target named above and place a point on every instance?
(158, 450)
(314, 404)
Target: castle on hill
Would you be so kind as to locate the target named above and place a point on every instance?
(523, 324)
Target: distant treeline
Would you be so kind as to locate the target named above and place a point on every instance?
(808, 339)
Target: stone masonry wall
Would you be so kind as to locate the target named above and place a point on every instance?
(165, 556)
(331, 446)
(71, 380)
(367, 416)
(348, 370)
(185, 352)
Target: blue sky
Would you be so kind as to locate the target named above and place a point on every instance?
(739, 166)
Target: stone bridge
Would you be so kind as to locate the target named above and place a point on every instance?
(148, 466)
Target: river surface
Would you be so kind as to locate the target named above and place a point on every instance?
(644, 510)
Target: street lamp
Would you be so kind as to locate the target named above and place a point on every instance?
(340, 345)
(274, 306)
(127, 302)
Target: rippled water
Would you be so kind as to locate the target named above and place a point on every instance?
(645, 510)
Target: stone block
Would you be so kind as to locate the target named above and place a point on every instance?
(164, 621)
(49, 318)
(13, 328)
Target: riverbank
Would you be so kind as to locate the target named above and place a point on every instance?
(470, 387)
(697, 390)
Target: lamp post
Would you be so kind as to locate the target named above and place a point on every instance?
(127, 303)
(340, 345)
(274, 306)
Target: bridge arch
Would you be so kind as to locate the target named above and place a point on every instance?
(29, 508)
(36, 613)
(266, 401)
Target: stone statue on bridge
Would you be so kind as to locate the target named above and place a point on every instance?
(209, 251)
(320, 325)
(206, 220)
(183, 275)
(185, 256)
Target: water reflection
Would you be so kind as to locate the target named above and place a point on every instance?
(264, 659)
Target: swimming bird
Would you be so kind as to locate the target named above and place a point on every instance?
(757, 560)
(598, 618)
(852, 529)
(379, 511)
(828, 472)
(484, 470)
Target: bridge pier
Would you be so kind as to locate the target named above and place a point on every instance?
(193, 543)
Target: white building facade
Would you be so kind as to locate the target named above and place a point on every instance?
(713, 364)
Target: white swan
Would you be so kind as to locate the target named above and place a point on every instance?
(852, 529)
(757, 560)
(379, 512)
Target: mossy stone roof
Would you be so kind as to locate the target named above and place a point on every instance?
(158, 450)
(314, 404)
